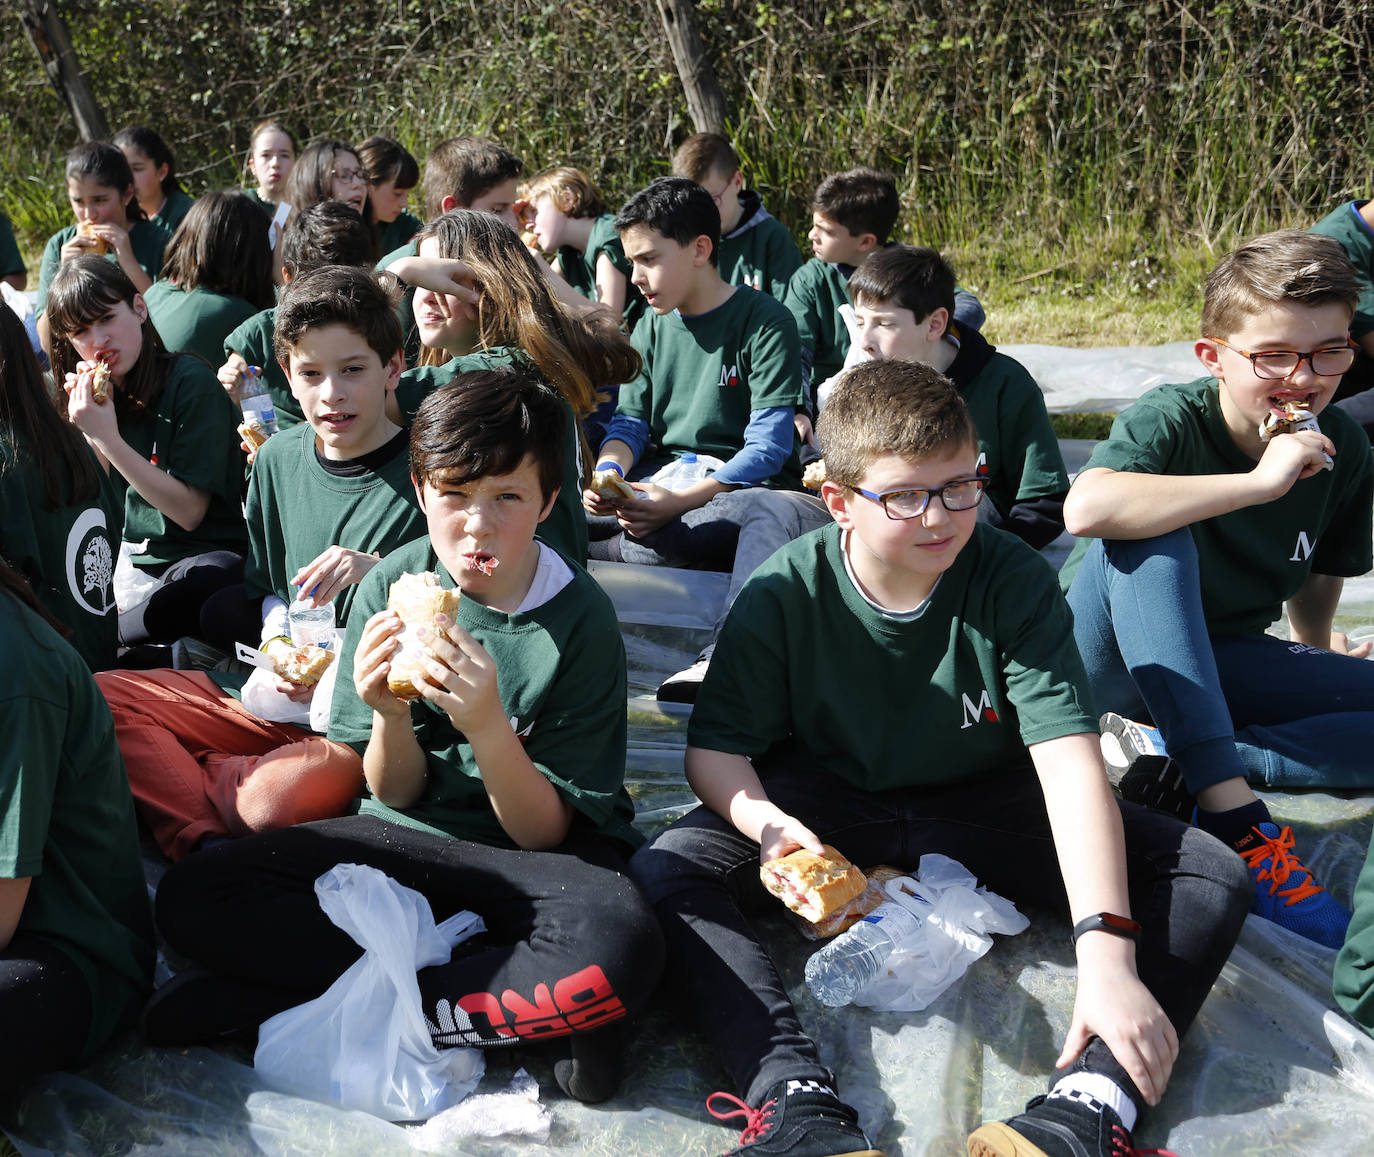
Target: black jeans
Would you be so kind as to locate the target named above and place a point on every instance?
(173, 609)
(570, 944)
(45, 1008)
(1189, 891)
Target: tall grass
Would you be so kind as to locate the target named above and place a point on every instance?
(1066, 154)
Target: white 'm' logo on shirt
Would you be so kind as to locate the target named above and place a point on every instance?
(977, 712)
(1303, 548)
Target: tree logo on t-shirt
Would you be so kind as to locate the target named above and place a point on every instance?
(88, 546)
(977, 712)
(729, 376)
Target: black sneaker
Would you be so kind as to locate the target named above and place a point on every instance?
(683, 687)
(587, 1065)
(1135, 756)
(797, 1119)
(1058, 1127)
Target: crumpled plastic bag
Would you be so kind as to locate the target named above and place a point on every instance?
(364, 1044)
(261, 697)
(955, 934)
(516, 1112)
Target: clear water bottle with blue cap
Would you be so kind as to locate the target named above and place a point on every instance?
(310, 624)
(256, 401)
(845, 966)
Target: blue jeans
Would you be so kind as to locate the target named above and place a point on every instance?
(1278, 714)
(1189, 892)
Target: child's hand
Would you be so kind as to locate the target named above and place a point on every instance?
(1289, 458)
(1114, 1005)
(295, 691)
(805, 431)
(338, 567)
(371, 663)
(94, 419)
(786, 834)
(656, 507)
(594, 502)
(460, 678)
(231, 376)
(445, 275)
(1340, 644)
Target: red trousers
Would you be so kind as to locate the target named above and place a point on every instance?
(201, 765)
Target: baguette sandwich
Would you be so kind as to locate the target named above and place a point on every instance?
(1293, 418)
(609, 484)
(303, 666)
(98, 246)
(813, 886)
(418, 599)
(251, 431)
(100, 382)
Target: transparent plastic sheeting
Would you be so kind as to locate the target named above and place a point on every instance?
(1105, 379)
(1270, 1067)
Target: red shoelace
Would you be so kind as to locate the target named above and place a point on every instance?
(1122, 1147)
(756, 1121)
(1282, 864)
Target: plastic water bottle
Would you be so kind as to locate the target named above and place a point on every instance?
(686, 470)
(839, 971)
(256, 401)
(310, 624)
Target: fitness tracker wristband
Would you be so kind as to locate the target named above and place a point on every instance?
(1107, 922)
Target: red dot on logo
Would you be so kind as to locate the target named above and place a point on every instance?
(991, 715)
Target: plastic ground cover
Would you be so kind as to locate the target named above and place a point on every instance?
(1270, 1067)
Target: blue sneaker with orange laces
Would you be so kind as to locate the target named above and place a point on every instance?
(1286, 892)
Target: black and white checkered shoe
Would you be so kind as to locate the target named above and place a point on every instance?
(1059, 1126)
(798, 1118)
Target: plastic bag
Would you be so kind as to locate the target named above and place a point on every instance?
(261, 697)
(955, 934)
(365, 1043)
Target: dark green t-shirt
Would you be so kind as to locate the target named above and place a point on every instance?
(67, 553)
(1254, 559)
(252, 341)
(297, 510)
(268, 207)
(814, 295)
(762, 256)
(703, 376)
(147, 240)
(578, 267)
(196, 321)
(565, 529)
(987, 667)
(560, 673)
(174, 210)
(67, 821)
(396, 234)
(1349, 228)
(194, 437)
(1017, 448)
(10, 259)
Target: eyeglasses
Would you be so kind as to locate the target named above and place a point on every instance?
(959, 494)
(718, 197)
(1276, 365)
(348, 176)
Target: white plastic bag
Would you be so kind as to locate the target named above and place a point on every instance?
(365, 1044)
(955, 933)
(260, 696)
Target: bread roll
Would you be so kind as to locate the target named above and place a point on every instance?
(303, 666)
(99, 246)
(100, 382)
(251, 431)
(418, 599)
(810, 885)
(609, 484)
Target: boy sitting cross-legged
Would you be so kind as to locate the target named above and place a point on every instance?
(327, 498)
(904, 301)
(500, 789)
(910, 627)
(1202, 529)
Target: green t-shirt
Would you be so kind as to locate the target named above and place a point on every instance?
(397, 234)
(814, 295)
(560, 673)
(762, 256)
(703, 376)
(11, 261)
(1254, 559)
(194, 437)
(957, 692)
(1349, 228)
(578, 267)
(67, 821)
(174, 210)
(1017, 448)
(67, 554)
(196, 321)
(565, 529)
(147, 240)
(297, 510)
(268, 207)
(252, 341)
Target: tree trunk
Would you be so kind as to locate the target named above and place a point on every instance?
(48, 34)
(705, 100)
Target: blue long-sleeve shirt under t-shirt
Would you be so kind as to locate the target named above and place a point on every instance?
(768, 440)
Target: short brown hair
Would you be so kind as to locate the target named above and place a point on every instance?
(571, 190)
(464, 168)
(890, 407)
(1287, 265)
(702, 154)
(337, 295)
(861, 200)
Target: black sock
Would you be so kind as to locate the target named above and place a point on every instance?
(1233, 826)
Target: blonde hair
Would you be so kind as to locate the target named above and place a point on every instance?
(570, 189)
(1288, 265)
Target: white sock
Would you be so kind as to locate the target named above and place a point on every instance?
(1087, 1088)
